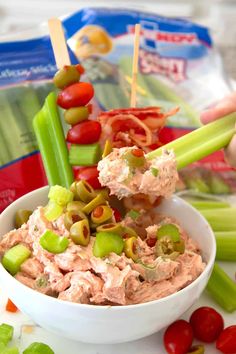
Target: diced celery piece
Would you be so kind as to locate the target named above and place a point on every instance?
(14, 257)
(53, 243)
(6, 333)
(38, 348)
(52, 211)
(60, 195)
(84, 155)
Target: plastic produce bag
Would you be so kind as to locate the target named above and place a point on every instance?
(178, 66)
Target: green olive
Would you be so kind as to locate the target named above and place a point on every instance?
(179, 246)
(21, 217)
(111, 227)
(170, 230)
(80, 233)
(98, 200)
(197, 349)
(104, 192)
(130, 248)
(76, 115)
(66, 76)
(128, 232)
(72, 217)
(84, 192)
(75, 205)
(165, 248)
(101, 214)
(107, 148)
(135, 158)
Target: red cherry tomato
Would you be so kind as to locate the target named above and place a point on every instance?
(207, 324)
(75, 95)
(178, 337)
(87, 132)
(90, 175)
(117, 214)
(226, 342)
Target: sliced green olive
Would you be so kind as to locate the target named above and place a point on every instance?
(84, 192)
(170, 230)
(179, 246)
(165, 247)
(72, 217)
(101, 214)
(66, 76)
(197, 349)
(104, 192)
(80, 233)
(107, 148)
(112, 227)
(75, 205)
(21, 217)
(135, 158)
(98, 200)
(128, 232)
(130, 248)
(76, 115)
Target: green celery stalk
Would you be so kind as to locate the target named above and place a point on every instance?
(221, 219)
(226, 245)
(200, 142)
(52, 145)
(205, 204)
(222, 288)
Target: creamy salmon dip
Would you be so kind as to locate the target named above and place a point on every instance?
(156, 177)
(77, 275)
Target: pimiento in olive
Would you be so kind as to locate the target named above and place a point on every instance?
(130, 248)
(135, 157)
(72, 217)
(80, 232)
(101, 214)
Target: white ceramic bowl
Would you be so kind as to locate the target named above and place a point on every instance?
(110, 324)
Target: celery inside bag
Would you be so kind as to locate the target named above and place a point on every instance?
(52, 145)
(200, 142)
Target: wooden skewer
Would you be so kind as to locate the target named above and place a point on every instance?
(135, 66)
(58, 43)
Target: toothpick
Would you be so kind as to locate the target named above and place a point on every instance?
(58, 43)
(135, 66)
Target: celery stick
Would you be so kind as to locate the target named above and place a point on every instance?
(218, 186)
(205, 204)
(226, 245)
(221, 219)
(85, 155)
(222, 288)
(200, 142)
(52, 145)
(197, 184)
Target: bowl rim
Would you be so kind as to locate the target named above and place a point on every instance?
(207, 269)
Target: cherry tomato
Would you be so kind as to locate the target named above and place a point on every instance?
(75, 95)
(90, 175)
(87, 132)
(117, 214)
(207, 324)
(178, 337)
(226, 342)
